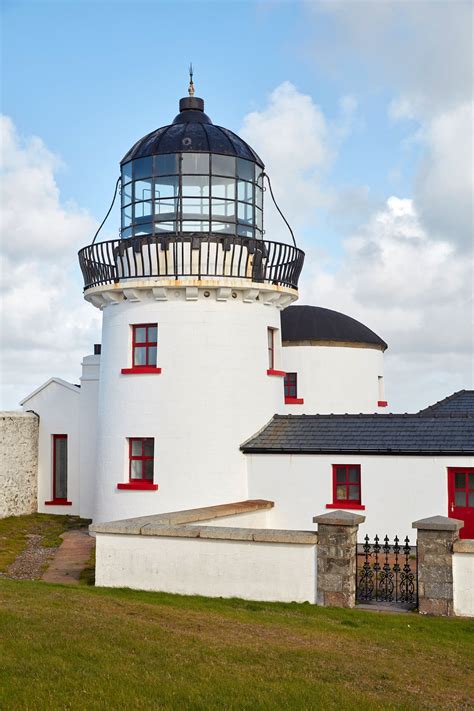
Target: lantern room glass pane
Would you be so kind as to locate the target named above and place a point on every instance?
(195, 226)
(223, 165)
(126, 194)
(245, 212)
(167, 164)
(142, 229)
(195, 186)
(166, 187)
(224, 209)
(142, 168)
(124, 233)
(127, 216)
(224, 227)
(143, 190)
(165, 227)
(259, 218)
(244, 191)
(223, 188)
(165, 209)
(195, 163)
(245, 169)
(259, 197)
(195, 207)
(127, 172)
(142, 209)
(243, 231)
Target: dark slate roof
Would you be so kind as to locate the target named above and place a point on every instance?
(365, 434)
(192, 131)
(313, 323)
(458, 403)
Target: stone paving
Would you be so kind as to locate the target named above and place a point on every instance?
(71, 558)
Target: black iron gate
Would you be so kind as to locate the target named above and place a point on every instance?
(387, 573)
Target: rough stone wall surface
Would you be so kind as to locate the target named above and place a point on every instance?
(336, 565)
(18, 463)
(435, 571)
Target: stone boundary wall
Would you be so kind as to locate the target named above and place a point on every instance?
(18, 463)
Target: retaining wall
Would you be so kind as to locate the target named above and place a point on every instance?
(18, 463)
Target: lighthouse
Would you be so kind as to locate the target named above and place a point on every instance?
(191, 294)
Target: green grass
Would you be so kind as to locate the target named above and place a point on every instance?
(15, 529)
(91, 648)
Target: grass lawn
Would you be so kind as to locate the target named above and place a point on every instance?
(15, 529)
(89, 648)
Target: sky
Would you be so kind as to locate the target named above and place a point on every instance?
(361, 110)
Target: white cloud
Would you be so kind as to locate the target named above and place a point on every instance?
(411, 290)
(46, 327)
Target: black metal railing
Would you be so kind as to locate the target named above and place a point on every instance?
(388, 573)
(191, 255)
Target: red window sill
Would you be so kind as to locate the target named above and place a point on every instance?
(278, 373)
(58, 502)
(138, 486)
(294, 401)
(142, 370)
(382, 403)
(342, 505)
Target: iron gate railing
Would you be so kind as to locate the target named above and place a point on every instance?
(388, 573)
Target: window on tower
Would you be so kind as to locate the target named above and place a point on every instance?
(271, 348)
(141, 464)
(145, 342)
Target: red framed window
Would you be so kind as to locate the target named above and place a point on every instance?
(271, 348)
(145, 343)
(59, 466)
(346, 485)
(291, 385)
(142, 458)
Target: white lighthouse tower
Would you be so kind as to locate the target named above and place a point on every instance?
(191, 296)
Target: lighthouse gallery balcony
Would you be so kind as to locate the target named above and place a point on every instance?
(195, 256)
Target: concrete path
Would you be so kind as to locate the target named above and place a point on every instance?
(71, 558)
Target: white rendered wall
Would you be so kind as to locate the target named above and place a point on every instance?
(212, 394)
(395, 490)
(58, 408)
(334, 379)
(216, 568)
(463, 584)
(88, 432)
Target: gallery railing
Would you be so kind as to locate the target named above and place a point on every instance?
(191, 255)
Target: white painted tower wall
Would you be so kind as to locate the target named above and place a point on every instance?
(212, 394)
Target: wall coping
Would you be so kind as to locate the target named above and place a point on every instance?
(463, 545)
(339, 518)
(438, 523)
(180, 524)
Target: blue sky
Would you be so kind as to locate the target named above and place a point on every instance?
(374, 100)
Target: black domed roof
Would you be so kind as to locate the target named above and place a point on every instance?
(192, 131)
(313, 323)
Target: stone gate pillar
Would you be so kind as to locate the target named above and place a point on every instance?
(436, 536)
(337, 554)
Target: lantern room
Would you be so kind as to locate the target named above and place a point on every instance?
(192, 177)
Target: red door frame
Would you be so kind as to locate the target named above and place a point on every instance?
(464, 513)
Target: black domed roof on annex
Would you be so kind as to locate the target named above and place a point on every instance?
(192, 131)
(315, 323)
